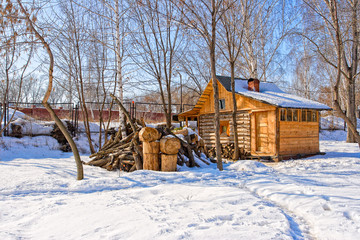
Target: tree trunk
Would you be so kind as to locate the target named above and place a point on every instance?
(119, 68)
(59, 123)
(236, 135)
(80, 171)
(351, 109)
(339, 50)
(215, 87)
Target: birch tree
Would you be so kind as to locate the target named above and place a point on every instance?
(338, 46)
(203, 17)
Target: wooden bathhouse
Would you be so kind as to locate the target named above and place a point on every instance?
(271, 123)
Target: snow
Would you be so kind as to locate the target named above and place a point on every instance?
(332, 122)
(313, 198)
(16, 114)
(271, 94)
(32, 127)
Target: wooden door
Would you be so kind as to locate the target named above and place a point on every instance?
(261, 132)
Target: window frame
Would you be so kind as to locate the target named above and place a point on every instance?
(222, 105)
(227, 125)
(284, 114)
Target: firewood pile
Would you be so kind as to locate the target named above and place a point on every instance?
(227, 151)
(59, 136)
(148, 148)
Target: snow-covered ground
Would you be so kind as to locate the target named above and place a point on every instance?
(314, 198)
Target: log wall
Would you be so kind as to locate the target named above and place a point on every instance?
(299, 138)
(207, 129)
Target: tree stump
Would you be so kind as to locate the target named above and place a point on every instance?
(168, 162)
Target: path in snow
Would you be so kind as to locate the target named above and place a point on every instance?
(322, 190)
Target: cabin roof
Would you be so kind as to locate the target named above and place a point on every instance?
(269, 94)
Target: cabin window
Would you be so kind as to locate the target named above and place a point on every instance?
(282, 114)
(289, 115)
(303, 115)
(295, 115)
(308, 116)
(222, 104)
(313, 116)
(224, 128)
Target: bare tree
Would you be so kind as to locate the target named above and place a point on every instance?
(342, 29)
(268, 23)
(231, 31)
(203, 16)
(158, 44)
(73, 41)
(15, 60)
(30, 23)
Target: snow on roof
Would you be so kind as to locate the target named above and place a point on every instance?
(271, 94)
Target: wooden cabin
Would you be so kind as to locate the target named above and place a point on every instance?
(271, 123)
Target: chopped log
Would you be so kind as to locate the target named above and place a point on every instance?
(148, 134)
(169, 145)
(201, 142)
(109, 151)
(128, 161)
(129, 154)
(133, 168)
(187, 147)
(151, 147)
(168, 162)
(138, 161)
(151, 161)
(99, 163)
(137, 152)
(183, 132)
(193, 138)
(181, 159)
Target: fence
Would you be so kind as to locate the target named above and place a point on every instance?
(151, 112)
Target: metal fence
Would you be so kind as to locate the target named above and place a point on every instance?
(95, 110)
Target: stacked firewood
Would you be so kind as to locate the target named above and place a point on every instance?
(228, 151)
(118, 154)
(148, 148)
